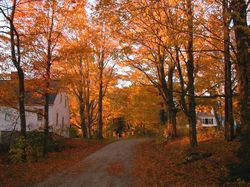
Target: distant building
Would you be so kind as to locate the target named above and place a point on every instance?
(205, 119)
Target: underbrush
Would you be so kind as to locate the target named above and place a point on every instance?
(33, 146)
(240, 172)
(174, 163)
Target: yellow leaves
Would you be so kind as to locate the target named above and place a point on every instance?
(137, 104)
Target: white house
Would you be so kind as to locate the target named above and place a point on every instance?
(59, 118)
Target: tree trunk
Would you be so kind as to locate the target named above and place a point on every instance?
(229, 122)
(22, 109)
(46, 105)
(88, 108)
(172, 110)
(100, 97)
(82, 116)
(239, 15)
(182, 84)
(166, 91)
(46, 124)
(218, 122)
(47, 84)
(172, 123)
(86, 83)
(190, 71)
(22, 102)
(80, 97)
(16, 59)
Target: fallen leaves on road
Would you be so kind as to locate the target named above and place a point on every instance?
(115, 169)
(24, 174)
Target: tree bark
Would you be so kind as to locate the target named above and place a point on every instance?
(239, 15)
(172, 123)
(172, 111)
(46, 104)
(15, 45)
(100, 98)
(46, 123)
(241, 29)
(88, 107)
(229, 121)
(166, 90)
(219, 126)
(16, 59)
(190, 71)
(82, 117)
(22, 102)
(48, 79)
(81, 102)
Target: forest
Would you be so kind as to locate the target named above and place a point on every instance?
(174, 73)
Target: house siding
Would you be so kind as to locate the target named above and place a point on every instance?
(13, 123)
(63, 112)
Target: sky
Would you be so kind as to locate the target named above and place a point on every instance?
(91, 3)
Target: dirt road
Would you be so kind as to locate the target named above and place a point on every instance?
(109, 166)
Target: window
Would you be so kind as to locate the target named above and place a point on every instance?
(7, 117)
(56, 119)
(40, 115)
(62, 122)
(65, 104)
(208, 121)
(60, 98)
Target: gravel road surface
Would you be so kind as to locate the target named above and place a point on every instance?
(108, 167)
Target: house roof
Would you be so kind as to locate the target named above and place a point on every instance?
(204, 114)
(39, 100)
(34, 92)
(52, 98)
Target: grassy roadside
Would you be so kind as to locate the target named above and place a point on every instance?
(165, 164)
(24, 174)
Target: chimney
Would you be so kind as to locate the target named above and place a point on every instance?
(14, 75)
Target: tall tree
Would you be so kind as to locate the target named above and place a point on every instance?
(100, 96)
(79, 65)
(78, 75)
(50, 19)
(150, 41)
(229, 121)
(190, 72)
(87, 58)
(9, 13)
(105, 53)
(241, 29)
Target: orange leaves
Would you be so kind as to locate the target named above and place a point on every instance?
(137, 104)
(162, 165)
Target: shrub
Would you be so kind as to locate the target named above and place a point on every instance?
(56, 144)
(35, 145)
(73, 132)
(32, 146)
(18, 150)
